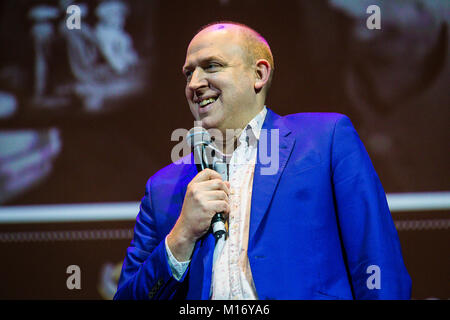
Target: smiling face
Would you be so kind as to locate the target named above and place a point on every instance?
(220, 87)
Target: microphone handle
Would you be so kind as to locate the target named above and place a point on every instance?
(198, 158)
(218, 220)
(218, 225)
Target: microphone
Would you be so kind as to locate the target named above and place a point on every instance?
(199, 139)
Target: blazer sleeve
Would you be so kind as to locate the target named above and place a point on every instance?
(146, 273)
(368, 235)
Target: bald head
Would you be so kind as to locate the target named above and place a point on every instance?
(253, 45)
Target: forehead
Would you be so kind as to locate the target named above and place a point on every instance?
(225, 43)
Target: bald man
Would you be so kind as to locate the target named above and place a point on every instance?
(316, 227)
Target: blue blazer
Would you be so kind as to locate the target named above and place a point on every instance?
(320, 227)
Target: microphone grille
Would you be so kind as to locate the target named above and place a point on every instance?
(198, 135)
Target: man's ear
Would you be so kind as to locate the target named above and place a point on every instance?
(262, 70)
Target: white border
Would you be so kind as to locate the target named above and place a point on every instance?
(425, 201)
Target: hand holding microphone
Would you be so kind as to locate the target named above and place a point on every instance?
(200, 140)
(206, 195)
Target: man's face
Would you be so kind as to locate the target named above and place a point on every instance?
(220, 80)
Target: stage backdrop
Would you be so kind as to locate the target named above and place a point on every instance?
(90, 95)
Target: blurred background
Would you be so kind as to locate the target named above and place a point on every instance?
(86, 117)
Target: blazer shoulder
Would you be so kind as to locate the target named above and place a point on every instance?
(175, 173)
(315, 117)
(313, 121)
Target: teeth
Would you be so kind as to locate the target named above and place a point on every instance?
(206, 101)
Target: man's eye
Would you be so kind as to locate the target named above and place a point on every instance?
(188, 74)
(212, 66)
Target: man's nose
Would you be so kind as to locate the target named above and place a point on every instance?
(198, 79)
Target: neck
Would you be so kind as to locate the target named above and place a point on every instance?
(228, 142)
(228, 139)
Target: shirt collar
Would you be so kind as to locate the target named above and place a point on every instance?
(252, 130)
(249, 136)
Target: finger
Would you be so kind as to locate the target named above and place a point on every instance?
(218, 206)
(215, 184)
(217, 195)
(206, 175)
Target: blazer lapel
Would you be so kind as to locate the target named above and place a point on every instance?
(200, 270)
(264, 185)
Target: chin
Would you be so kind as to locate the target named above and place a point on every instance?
(209, 122)
(208, 125)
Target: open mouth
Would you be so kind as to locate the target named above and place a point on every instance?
(206, 102)
(205, 105)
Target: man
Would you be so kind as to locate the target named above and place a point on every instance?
(317, 228)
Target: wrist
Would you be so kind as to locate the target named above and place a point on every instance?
(180, 245)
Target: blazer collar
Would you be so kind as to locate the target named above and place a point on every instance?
(279, 144)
